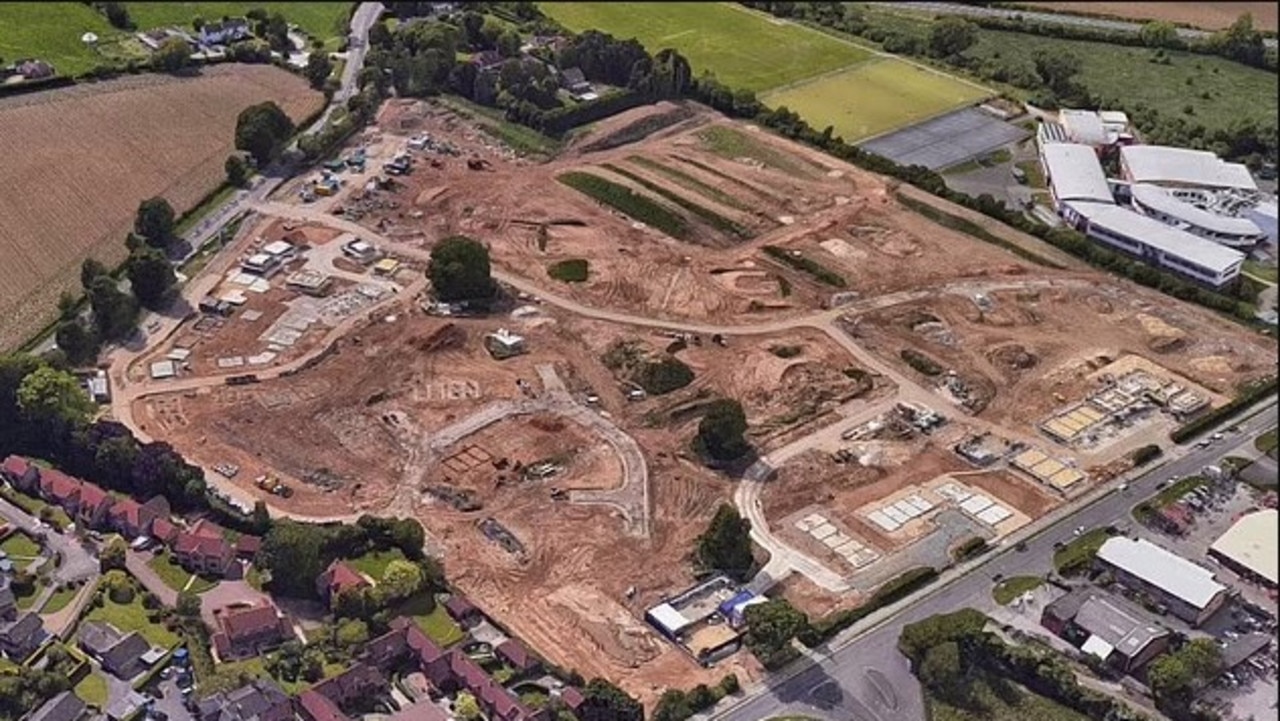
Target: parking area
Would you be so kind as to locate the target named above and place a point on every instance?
(947, 140)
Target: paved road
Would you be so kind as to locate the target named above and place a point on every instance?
(853, 676)
(357, 47)
(942, 8)
(77, 563)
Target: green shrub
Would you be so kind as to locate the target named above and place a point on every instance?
(663, 376)
(627, 202)
(808, 265)
(712, 218)
(574, 270)
(1145, 454)
(920, 362)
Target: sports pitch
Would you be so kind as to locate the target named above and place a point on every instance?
(743, 49)
(875, 97)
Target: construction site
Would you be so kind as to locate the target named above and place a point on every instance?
(917, 387)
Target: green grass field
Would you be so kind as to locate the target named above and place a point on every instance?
(323, 20)
(1117, 72)
(51, 32)
(1010, 588)
(92, 690)
(999, 700)
(59, 600)
(875, 97)
(743, 49)
(375, 564)
(132, 616)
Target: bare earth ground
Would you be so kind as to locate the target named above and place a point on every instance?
(367, 414)
(1210, 16)
(78, 161)
(1030, 347)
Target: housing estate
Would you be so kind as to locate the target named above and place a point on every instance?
(261, 700)
(1189, 591)
(66, 706)
(122, 655)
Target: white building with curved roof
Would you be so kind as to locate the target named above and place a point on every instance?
(1182, 167)
(1187, 210)
(1252, 546)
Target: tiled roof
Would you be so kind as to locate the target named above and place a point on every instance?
(16, 466)
(242, 623)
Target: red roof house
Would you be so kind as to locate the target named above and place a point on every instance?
(20, 472)
(338, 577)
(93, 507)
(514, 654)
(204, 554)
(61, 489)
(247, 546)
(460, 609)
(164, 530)
(249, 630)
(315, 706)
(572, 698)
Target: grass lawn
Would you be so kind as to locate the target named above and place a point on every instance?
(375, 564)
(875, 97)
(1035, 174)
(1258, 270)
(93, 690)
(435, 623)
(177, 577)
(21, 548)
(33, 505)
(59, 600)
(1267, 442)
(733, 144)
(491, 121)
(51, 32)
(1011, 588)
(1117, 72)
(133, 617)
(1086, 546)
(256, 667)
(319, 19)
(743, 49)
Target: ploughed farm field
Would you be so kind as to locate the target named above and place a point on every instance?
(78, 161)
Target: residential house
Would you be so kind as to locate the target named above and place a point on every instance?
(94, 506)
(462, 610)
(20, 473)
(247, 546)
(338, 577)
(20, 638)
(164, 530)
(324, 701)
(204, 549)
(575, 81)
(487, 60)
(261, 700)
(60, 489)
(573, 699)
(315, 706)
(424, 710)
(249, 630)
(66, 706)
(133, 519)
(229, 30)
(121, 655)
(514, 654)
(8, 602)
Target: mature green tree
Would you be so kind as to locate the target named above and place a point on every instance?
(721, 432)
(459, 270)
(945, 670)
(114, 311)
(467, 707)
(508, 44)
(400, 580)
(770, 628)
(151, 276)
(1158, 34)
(89, 270)
(318, 69)
(1175, 677)
(603, 701)
(172, 56)
(917, 638)
(262, 131)
(76, 340)
(351, 633)
(155, 221)
(237, 170)
(113, 554)
(951, 36)
(117, 15)
(1057, 70)
(726, 544)
(50, 395)
(188, 605)
(293, 552)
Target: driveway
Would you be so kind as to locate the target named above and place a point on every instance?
(226, 594)
(137, 565)
(77, 562)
